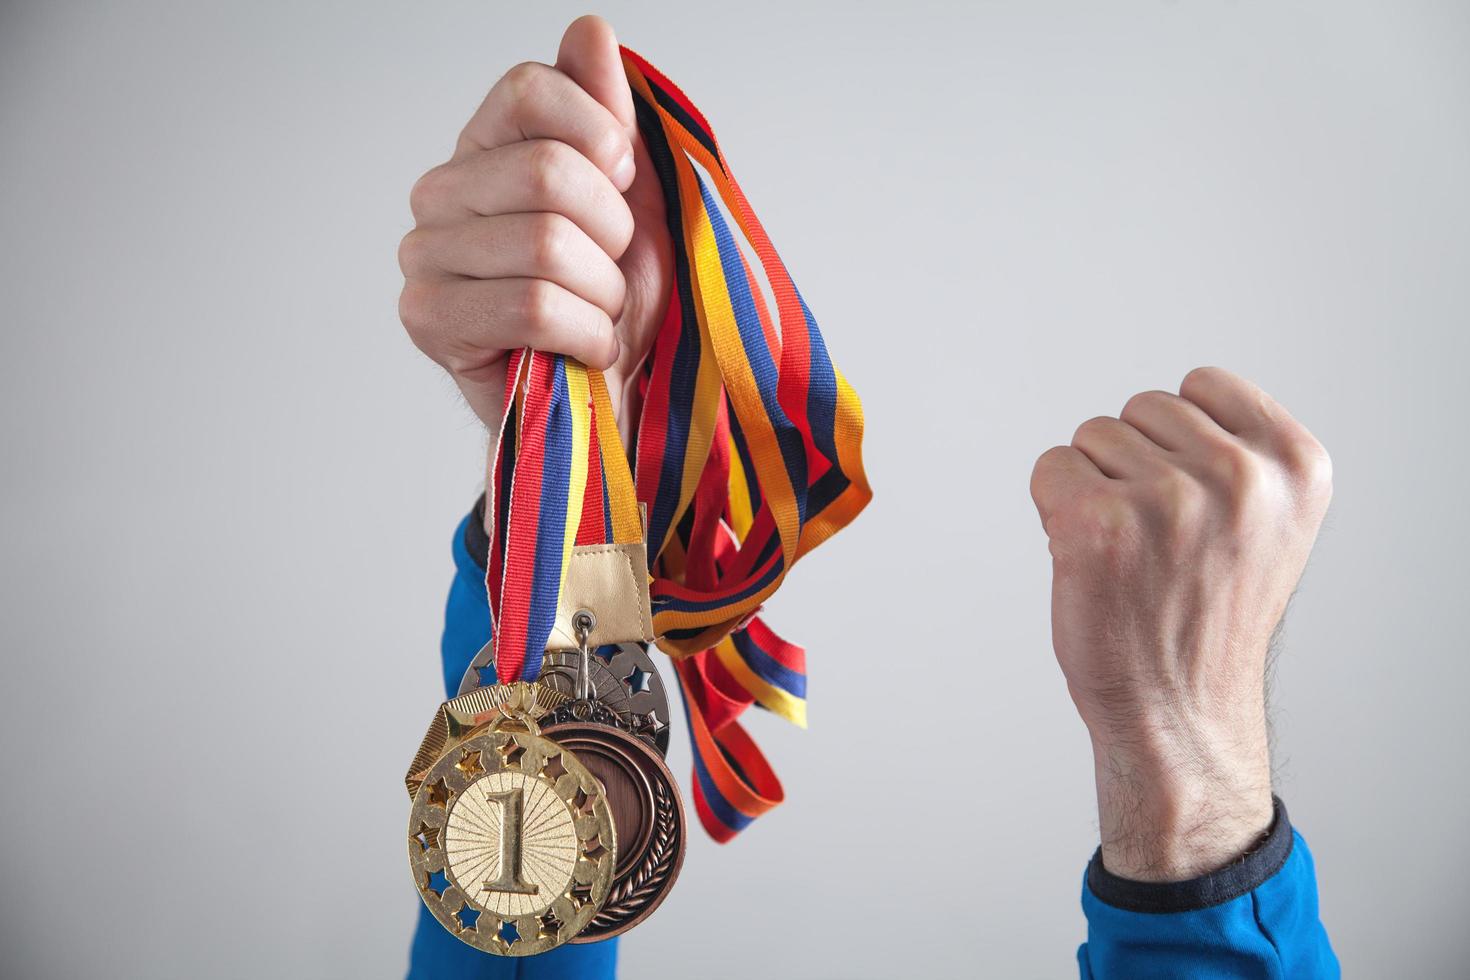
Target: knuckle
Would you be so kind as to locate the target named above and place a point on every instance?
(412, 251)
(429, 191)
(1176, 502)
(547, 240)
(536, 306)
(1048, 461)
(622, 228)
(524, 79)
(1142, 402)
(1239, 468)
(1174, 489)
(1318, 469)
(1201, 376)
(609, 145)
(1308, 462)
(416, 306)
(1092, 428)
(1096, 527)
(549, 168)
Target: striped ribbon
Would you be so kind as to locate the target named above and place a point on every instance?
(552, 488)
(748, 456)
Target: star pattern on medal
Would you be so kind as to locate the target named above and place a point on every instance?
(508, 932)
(638, 681)
(548, 926)
(592, 848)
(470, 764)
(436, 882)
(645, 724)
(606, 652)
(553, 769)
(440, 793)
(467, 917)
(426, 836)
(510, 753)
(579, 895)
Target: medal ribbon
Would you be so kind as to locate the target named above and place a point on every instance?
(748, 456)
(551, 487)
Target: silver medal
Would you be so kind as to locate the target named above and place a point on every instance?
(623, 688)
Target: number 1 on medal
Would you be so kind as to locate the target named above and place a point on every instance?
(509, 879)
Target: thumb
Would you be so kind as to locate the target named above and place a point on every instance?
(589, 55)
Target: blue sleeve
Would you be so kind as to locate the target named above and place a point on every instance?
(1255, 918)
(436, 955)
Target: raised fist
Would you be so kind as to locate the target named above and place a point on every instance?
(1178, 532)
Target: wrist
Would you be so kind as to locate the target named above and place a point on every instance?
(1176, 802)
(1239, 877)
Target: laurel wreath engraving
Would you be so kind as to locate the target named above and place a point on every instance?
(629, 896)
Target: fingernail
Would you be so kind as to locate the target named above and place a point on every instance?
(623, 172)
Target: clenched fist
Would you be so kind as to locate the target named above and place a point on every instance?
(545, 229)
(1178, 532)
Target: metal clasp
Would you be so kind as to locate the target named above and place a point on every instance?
(583, 623)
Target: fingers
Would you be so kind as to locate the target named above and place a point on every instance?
(1261, 422)
(1170, 421)
(590, 57)
(467, 324)
(541, 245)
(536, 175)
(1061, 475)
(1237, 405)
(1117, 448)
(536, 101)
(518, 237)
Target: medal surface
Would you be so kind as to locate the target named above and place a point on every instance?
(475, 709)
(512, 840)
(648, 815)
(621, 677)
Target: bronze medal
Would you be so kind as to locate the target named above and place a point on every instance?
(648, 816)
(647, 812)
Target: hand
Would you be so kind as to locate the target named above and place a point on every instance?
(545, 229)
(1178, 532)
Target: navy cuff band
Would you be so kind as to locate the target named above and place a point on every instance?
(1216, 888)
(476, 541)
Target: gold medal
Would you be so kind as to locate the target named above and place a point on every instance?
(458, 717)
(514, 834)
(511, 838)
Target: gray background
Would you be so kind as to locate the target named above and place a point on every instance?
(230, 481)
